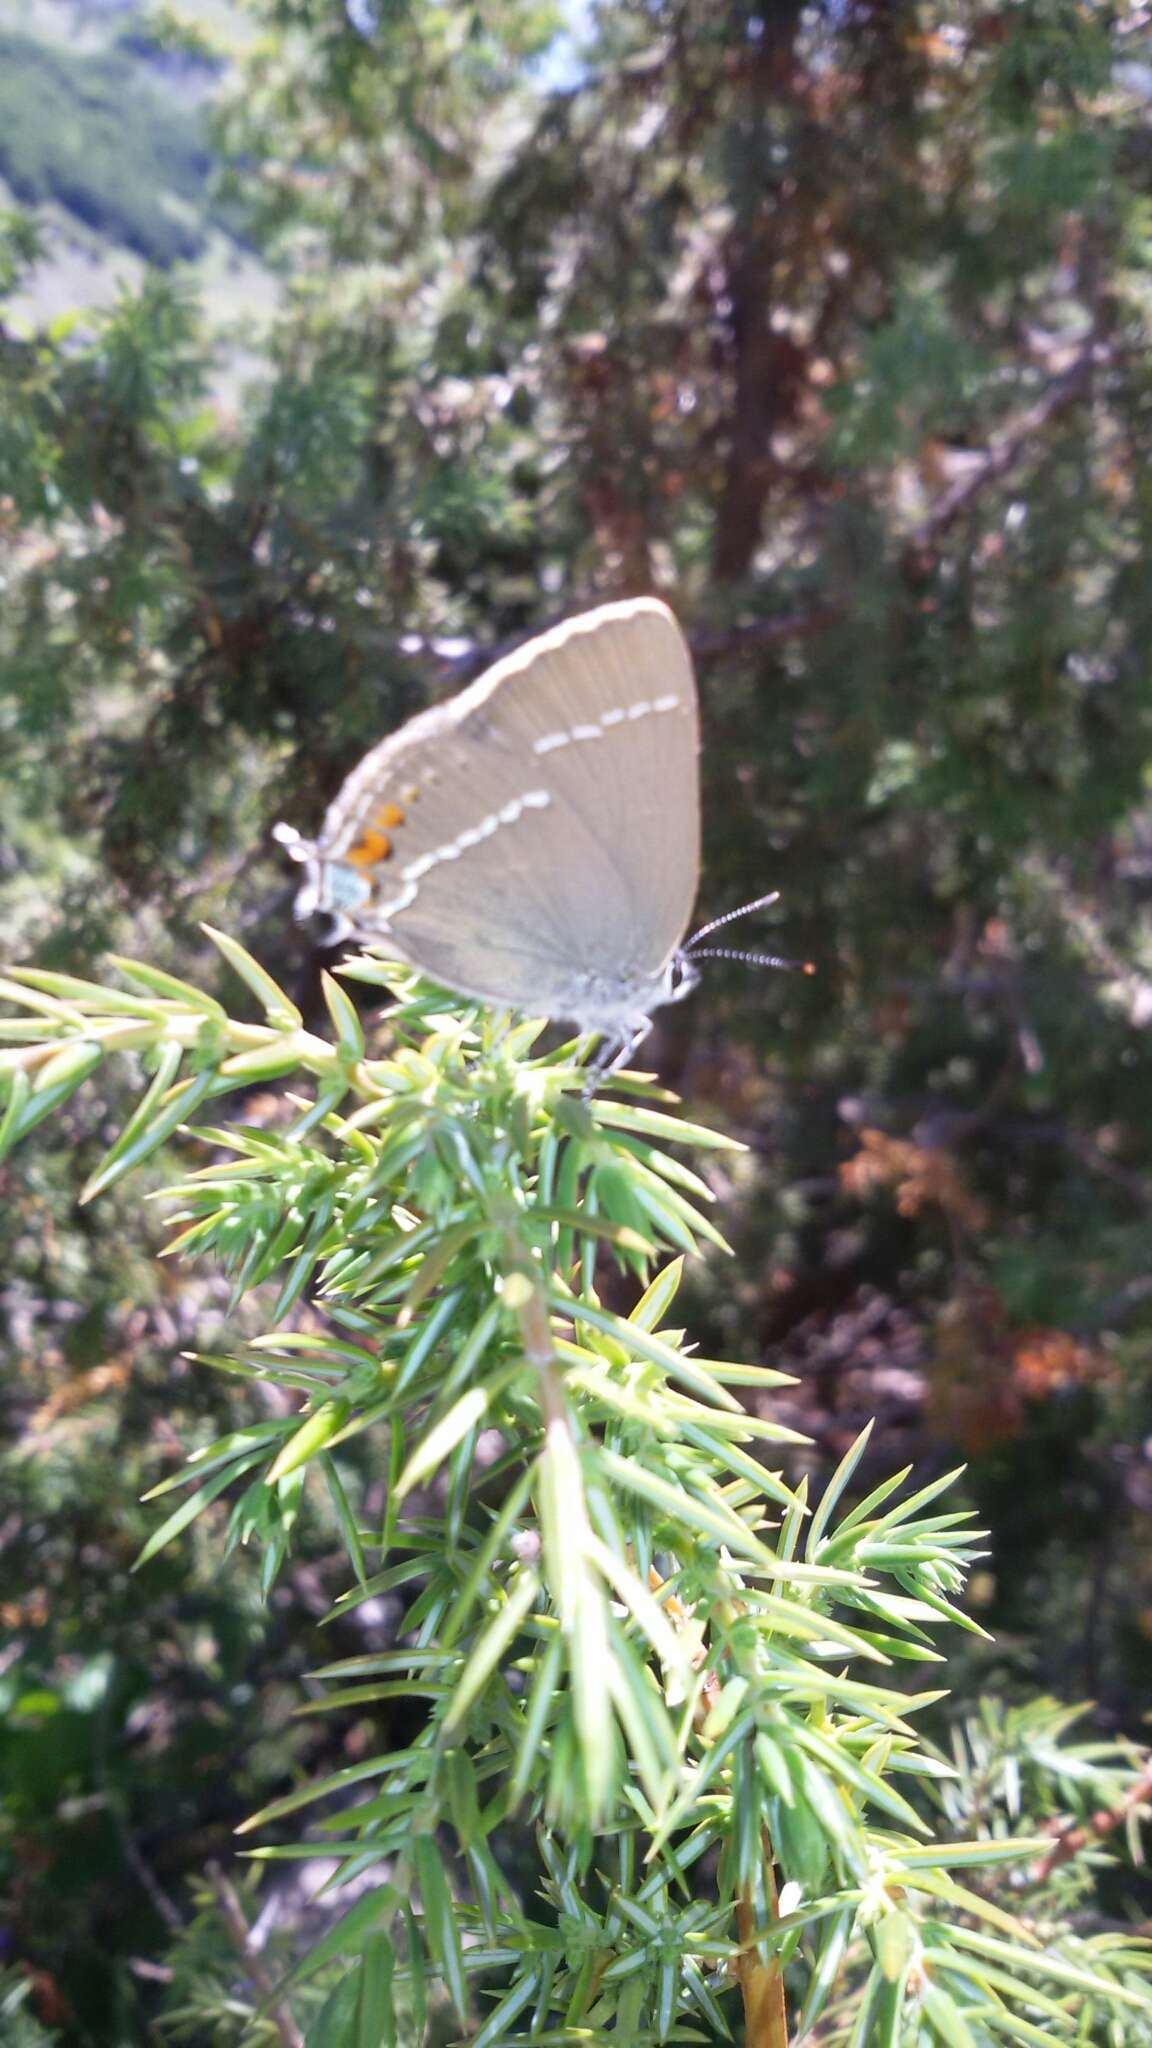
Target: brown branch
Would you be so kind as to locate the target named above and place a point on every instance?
(239, 1933)
(761, 1983)
(1071, 1840)
(768, 367)
(1006, 448)
(463, 662)
(710, 640)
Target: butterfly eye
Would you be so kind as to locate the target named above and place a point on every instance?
(329, 927)
(682, 977)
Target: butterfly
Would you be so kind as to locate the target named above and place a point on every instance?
(534, 842)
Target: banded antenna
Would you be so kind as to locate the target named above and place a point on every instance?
(693, 950)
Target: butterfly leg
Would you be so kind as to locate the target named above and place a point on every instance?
(614, 1053)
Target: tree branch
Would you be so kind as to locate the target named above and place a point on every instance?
(239, 1933)
(1006, 448)
(1072, 1841)
(709, 640)
(463, 659)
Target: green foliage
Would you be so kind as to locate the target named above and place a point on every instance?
(627, 1631)
(20, 249)
(21, 2029)
(86, 132)
(830, 323)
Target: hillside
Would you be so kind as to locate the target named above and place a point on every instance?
(105, 139)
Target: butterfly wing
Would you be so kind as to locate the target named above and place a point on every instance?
(536, 841)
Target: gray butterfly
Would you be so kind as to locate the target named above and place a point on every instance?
(535, 841)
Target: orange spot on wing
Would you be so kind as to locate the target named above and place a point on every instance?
(390, 816)
(370, 847)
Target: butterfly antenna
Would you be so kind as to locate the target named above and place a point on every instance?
(744, 910)
(753, 959)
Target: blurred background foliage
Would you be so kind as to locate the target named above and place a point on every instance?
(341, 346)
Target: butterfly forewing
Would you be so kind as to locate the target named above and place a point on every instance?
(536, 840)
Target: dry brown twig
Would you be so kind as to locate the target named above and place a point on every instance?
(239, 1933)
(1006, 448)
(1071, 1840)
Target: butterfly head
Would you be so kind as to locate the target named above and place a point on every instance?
(331, 893)
(680, 977)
